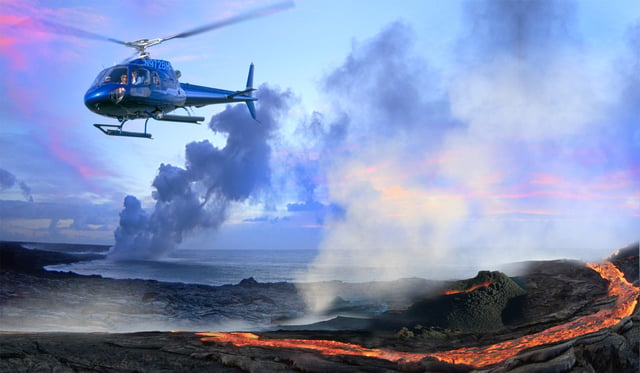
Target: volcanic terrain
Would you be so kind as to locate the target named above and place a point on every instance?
(557, 316)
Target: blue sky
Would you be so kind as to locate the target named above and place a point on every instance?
(411, 126)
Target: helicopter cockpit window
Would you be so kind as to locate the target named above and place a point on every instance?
(118, 75)
(100, 78)
(140, 76)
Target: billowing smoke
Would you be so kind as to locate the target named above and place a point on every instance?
(9, 180)
(198, 195)
(522, 150)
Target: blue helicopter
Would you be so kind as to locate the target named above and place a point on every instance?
(149, 88)
(146, 88)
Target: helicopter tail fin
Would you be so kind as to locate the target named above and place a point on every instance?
(250, 89)
(250, 77)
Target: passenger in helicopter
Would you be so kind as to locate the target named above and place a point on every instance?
(140, 76)
(136, 77)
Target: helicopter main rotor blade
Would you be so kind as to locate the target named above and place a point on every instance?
(59, 28)
(141, 44)
(235, 19)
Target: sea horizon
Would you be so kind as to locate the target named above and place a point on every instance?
(217, 267)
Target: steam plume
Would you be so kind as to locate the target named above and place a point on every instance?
(9, 180)
(198, 195)
(504, 161)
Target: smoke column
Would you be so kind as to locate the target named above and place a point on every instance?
(9, 180)
(524, 149)
(198, 195)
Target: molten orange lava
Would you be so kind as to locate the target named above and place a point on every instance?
(474, 287)
(627, 298)
(325, 347)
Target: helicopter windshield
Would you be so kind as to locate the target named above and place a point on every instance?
(118, 75)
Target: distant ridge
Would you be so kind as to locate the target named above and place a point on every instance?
(63, 247)
(14, 256)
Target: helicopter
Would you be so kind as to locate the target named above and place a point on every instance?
(145, 88)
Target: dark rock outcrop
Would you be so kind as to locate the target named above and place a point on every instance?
(477, 310)
(15, 257)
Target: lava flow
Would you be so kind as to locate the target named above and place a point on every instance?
(625, 303)
(474, 287)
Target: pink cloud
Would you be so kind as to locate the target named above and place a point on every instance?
(524, 211)
(545, 179)
(83, 164)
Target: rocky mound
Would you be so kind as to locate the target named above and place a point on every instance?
(475, 305)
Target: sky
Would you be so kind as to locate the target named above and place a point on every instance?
(449, 131)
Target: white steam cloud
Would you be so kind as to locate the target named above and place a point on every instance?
(524, 153)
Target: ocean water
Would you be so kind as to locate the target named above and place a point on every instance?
(221, 267)
(209, 267)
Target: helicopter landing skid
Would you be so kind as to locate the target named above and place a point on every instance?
(116, 130)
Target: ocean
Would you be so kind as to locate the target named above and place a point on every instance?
(222, 267)
(208, 267)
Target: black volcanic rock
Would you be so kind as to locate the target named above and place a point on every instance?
(477, 306)
(248, 282)
(75, 352)
(15, 257)
(555, 290)
(34, 299)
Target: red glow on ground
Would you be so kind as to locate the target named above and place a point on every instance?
(474, 287)
(626, 301)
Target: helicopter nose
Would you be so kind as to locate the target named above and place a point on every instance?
(102, 98)
(94, 99)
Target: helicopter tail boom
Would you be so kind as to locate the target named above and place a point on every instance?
(199, 96)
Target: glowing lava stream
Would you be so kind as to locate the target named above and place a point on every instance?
(474, 287)
(627, 298)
